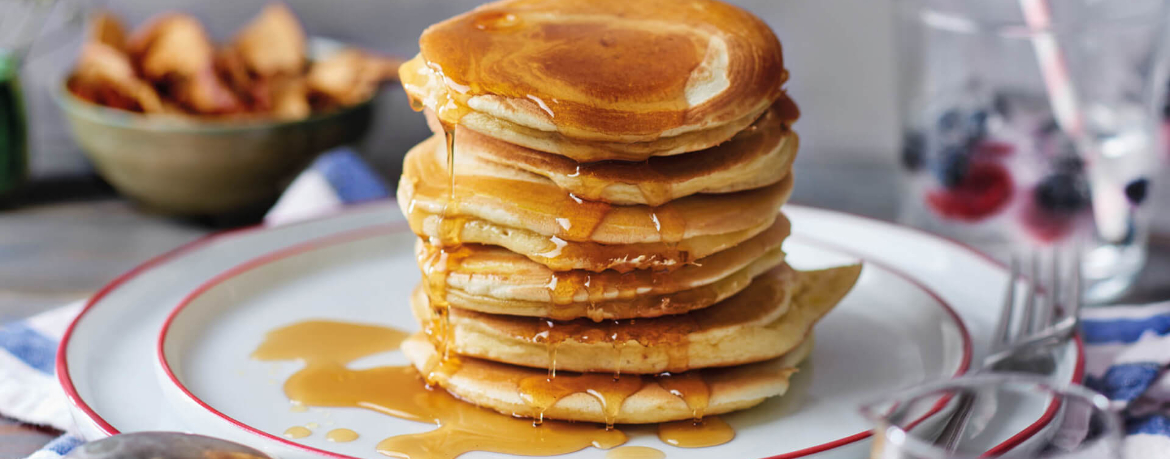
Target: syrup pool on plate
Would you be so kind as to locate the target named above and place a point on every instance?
(326, 347)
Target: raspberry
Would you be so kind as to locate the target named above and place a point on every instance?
(983, 191)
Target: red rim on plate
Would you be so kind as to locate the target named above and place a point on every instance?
(964, 360)
(62, 361)
(76, 399)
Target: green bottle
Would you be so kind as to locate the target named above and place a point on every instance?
(13, 129)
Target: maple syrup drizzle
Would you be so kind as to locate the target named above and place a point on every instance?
(671, 333)
(567, 222)
(400, 391)
(447, 252)
(691, 388)
(711, 431)
(511, 50)
(671, 226)
(541, 393)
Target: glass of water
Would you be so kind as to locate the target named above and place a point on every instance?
(1012, 417)
(1034, 122)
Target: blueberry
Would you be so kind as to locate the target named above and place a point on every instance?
(977, 126)
(1062, 193)
(1068, 164)
(950, 120)
(1136, 191)
(952, 165)
(1002, 104)
(913, 150)
(1049, 127)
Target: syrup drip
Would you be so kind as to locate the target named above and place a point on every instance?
(436, 263)
(691, 388)
(563, 215)
(567, 287)
(653, 185)
(670, 224)
(446, 256)
(669, 332)
(689, 434)
(542, 393)
(325, 381)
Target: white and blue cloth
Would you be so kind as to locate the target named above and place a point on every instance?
(1127, 355)
(1127, 348)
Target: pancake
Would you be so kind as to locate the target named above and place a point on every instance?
(766, 320)
(639, 306)
(558, 75)
(531, 215)
(494, 272)
(561, 255)
(758, 156)
(507, 388)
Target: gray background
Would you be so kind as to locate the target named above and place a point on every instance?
(837, 51)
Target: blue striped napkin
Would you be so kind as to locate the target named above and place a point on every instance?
(1127, 351)
(1127, 348)
(28, 388)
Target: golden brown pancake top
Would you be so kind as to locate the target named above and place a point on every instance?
(606, 68)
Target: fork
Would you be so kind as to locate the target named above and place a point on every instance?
(1043, 326)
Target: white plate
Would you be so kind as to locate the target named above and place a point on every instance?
(889, 330)
(887, 334)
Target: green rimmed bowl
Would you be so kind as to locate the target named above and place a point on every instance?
(192, 167)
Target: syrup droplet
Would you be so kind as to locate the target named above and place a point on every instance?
(689, 434)
(295, 432)
(635, 452)
(341, 435)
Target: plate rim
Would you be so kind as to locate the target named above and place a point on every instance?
(163, 362)
(78, 403)
(61, 364)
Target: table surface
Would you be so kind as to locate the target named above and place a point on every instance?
(56, 248)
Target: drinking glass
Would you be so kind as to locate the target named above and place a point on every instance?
(1014, 417)
(1034, 122)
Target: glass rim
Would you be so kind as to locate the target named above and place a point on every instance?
(962, 22)
(914, 445)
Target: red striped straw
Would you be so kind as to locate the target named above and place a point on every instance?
(1110, 208)
(1061, 93)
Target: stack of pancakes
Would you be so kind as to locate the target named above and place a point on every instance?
(598, 211)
